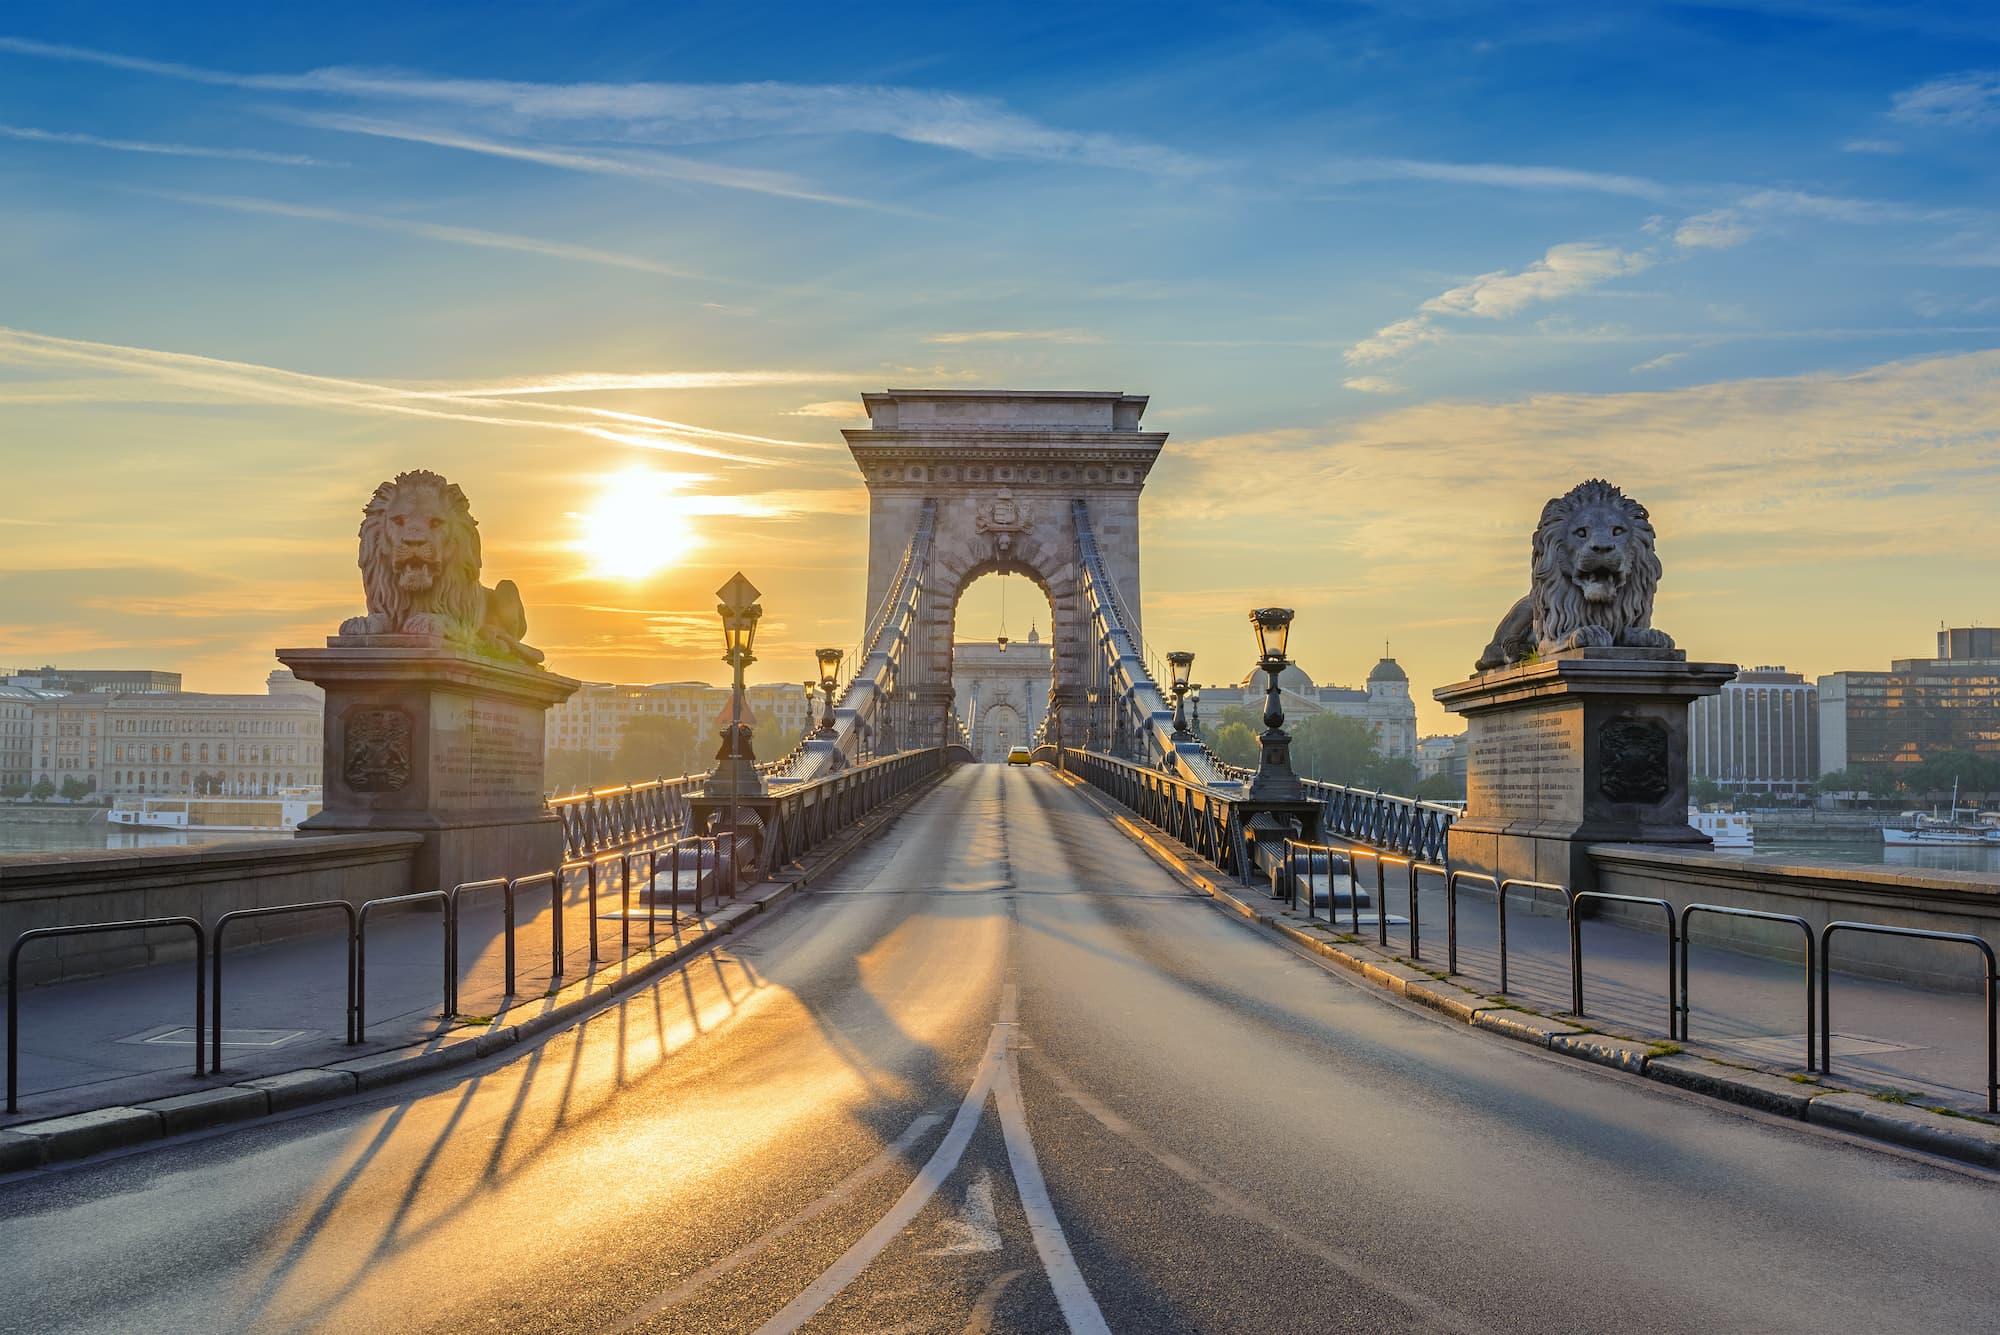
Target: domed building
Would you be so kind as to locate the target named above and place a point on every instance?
(1384, 704)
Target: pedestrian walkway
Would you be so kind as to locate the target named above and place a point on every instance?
(129, 1037)
(1745, 1008)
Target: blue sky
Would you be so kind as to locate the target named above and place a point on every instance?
(1397, 272)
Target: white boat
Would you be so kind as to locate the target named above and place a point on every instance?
(278, 814)
(1928, 829)
(1725, 829)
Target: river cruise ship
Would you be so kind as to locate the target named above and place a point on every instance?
(278, 814)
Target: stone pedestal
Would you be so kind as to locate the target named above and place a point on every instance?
(440, 742)
(1587, 746)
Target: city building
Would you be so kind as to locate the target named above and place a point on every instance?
(1761, 733)
(182, 742)
(17, 735)
(1919, 708)
(1002, 694)
(594, 719)
(1434, 754)
(1384, 704)
(118, 681)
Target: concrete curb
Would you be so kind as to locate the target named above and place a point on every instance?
(1947, 1135)
(30, 1145)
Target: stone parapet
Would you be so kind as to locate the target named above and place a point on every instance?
(201, 882)
(1584, 746)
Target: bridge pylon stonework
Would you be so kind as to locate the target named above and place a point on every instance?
(997, 473)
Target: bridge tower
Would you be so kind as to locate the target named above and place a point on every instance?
(998, 472)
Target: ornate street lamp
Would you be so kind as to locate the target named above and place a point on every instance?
(1092, 697)
(812, 693)
(736, 767)
(1181, 662)
(829, 677)
(1194, 698)
(1275, 778)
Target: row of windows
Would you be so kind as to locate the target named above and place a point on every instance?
(155, 780)
(191, 753)
(264, 727)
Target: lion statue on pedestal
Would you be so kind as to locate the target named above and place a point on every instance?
(420, 571)
(1594, 577)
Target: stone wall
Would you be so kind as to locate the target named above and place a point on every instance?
(1941, 901)
(200, 882)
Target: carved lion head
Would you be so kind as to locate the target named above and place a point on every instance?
(420, 550)
(1594, 563)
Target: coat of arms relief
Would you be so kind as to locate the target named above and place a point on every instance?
(1003, 519)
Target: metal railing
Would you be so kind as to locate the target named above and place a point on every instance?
(276, 910)
(1804, 926)
(1207, 823)
(1505, 884)
(1401, 824)
(81, 929)
(441, 898)
(808, 814)
(1878, 929)
(1576, 948)
(606, 820)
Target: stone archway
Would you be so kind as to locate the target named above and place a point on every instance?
(1004, 469)
(1000, 727)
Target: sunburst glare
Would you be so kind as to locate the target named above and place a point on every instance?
(639, 526)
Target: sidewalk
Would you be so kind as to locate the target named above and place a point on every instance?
(129, 1037)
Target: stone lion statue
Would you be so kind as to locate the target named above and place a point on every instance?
(420, 570)
(1594, 576)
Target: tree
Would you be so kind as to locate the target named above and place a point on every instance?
(1233, 744)
(1705, 791)
(1441, 788)
(655, 746)
(43, 790)
(74, 788)
(14, 790)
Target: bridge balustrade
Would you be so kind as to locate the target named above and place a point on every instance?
(630, 816)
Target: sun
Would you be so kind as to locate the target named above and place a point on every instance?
(639, 526)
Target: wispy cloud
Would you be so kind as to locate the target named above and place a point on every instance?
(1736, 223)
(663, 112)
(1717, 229)
(1882, 147)
(1505, 175)
(640, 164)
(451, 235)
(1661, 362)
(839, 410)
(1372, 384)
(1563, 271)
(1015, 336)
(32, 135)
(1966, 100)
(248, 382)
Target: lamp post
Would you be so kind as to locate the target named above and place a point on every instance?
(736, 767)
(1275, 778)
(1090, 720)
(1180, 661)
(829, 677)
(1194, 698)
(812, 695)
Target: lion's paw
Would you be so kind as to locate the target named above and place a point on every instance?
(1647, 638)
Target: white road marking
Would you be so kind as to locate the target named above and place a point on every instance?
(976, 1228)
(1079, 1309)
(837, 1195)
(917, 1195)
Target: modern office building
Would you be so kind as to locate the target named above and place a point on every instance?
(1920, 707)
(116, 681)
(1760, 733)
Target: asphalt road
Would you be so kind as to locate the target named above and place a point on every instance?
(1003, 1074)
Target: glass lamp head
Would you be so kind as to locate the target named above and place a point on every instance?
(1274, 626)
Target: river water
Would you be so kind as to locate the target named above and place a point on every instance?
(1873, 852)
(82, 830)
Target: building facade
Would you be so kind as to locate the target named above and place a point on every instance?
(1761, 733)
(180, 743)
(17, 735)
(1001, 695)
(594, 720)
(1434, 754)
(1384, 704)
(1919, 708)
